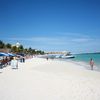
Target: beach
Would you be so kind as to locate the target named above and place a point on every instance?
(39, 79)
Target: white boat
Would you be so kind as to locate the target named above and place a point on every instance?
(58, 56)
(67, 56)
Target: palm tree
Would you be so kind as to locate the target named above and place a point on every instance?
(2, 44)
(40, 52)
(30, 50)
(14, 49)
(8, 45)
(33, 51)
(20, 48)
(25, 51)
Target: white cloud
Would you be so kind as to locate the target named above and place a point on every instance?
(81, 40)
(59, 41)
(54, 40)
(46, 40)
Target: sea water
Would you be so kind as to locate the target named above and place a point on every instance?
(85, 58)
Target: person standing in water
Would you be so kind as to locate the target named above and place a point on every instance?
(91, 63)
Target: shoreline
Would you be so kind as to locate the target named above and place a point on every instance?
(65, 68)
(85, 65)
(80, 63)
(40, 79)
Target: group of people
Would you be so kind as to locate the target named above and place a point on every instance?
(5, 61)
(13, 61)
(9, 61)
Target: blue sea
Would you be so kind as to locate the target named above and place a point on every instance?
(85, 58)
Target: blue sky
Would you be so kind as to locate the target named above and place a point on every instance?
(52, 25)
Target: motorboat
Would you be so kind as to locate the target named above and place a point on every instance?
(58, 56)
(67, 56)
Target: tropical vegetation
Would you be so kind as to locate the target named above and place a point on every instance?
(19, 49)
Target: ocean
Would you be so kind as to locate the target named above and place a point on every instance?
(84, 59)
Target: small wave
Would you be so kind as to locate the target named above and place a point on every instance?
(81, 63)
(85, 65)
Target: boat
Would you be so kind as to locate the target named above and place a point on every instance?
(67, 56)
(58, 56)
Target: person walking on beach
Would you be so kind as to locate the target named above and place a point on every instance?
(47, 58)
(14, 63)
(91, 63)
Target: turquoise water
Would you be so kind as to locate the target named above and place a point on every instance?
(86, 58)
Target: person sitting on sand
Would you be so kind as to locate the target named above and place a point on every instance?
(14, 63)
(91, 63)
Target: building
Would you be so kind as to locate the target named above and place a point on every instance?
(58, 52)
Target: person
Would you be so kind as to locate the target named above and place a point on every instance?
(1, 66)
(91, 63)
(23, 59)
(47, 58)
(14, 63)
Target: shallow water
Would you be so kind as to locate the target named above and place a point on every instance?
(85, 58)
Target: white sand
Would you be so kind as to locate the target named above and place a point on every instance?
(38, 79)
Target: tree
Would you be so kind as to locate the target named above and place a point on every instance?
(30, 50)
(8, 45)
(2, 45)
(40, 52)
(20, 48)
(14, 49)
(25, 51)
(33, 51)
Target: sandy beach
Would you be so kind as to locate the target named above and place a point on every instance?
(39, 79)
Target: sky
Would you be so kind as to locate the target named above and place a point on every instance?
(52, 25)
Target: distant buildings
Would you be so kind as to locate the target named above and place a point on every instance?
(58, 52)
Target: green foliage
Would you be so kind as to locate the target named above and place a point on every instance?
(25, 51)
(30, 51)
(33, 51)
(39, 52)
(8, 45)
(2, 45)
(20, 49)
(14, 49)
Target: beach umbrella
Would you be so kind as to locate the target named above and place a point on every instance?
(10, 54)
(3, 54)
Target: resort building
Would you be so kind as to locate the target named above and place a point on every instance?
(58, 52)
